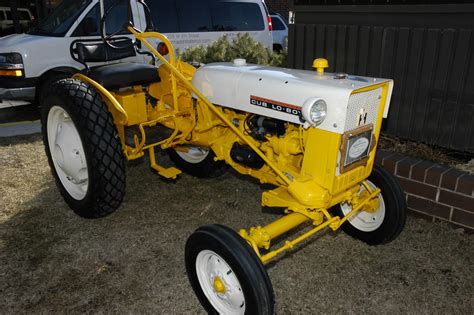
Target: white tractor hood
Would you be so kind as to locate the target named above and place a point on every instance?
(280, 93)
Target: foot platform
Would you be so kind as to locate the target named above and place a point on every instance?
(169, 173)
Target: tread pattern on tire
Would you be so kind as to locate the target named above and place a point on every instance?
(106, 162)
(401, 203)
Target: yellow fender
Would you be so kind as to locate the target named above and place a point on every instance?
(114, 106)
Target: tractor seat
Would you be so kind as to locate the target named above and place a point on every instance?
(120, 75)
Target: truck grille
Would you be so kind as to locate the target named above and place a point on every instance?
(363, 109)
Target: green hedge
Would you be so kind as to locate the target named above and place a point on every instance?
(243, 46)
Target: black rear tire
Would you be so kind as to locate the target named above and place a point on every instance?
(196, 164)
(240, 261)
(46, 83)
(85, 111)
(395, 214)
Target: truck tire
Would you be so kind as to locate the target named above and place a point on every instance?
(83, 148)
(198, 162)
(385, 224)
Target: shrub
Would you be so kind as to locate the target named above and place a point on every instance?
(243, 46)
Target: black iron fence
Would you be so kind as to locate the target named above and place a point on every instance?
(427, 49)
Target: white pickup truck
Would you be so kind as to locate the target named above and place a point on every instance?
(30, 62)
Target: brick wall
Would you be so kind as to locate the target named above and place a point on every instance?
(279, 6)
(433, 191)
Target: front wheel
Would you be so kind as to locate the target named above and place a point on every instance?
(83, 149)
(226, 274)
(385, 223)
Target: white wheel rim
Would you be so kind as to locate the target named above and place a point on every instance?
(67, 153)
(210, 265)
(366, 221)
(194, 154)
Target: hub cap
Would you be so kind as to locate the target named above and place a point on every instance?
(67, 153)
(219, 283)
(366, 221)
(194, 155)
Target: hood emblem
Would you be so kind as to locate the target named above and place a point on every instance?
(362, 117)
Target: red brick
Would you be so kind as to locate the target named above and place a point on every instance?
(381, 154)
(456, 200)
(419, 189)
(418, 171)
(429, 207)
(390, 162)
(404, 166)
(463, 217)
(466, 185)
(450, 179)
(433, 174)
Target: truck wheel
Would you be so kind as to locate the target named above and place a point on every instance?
(83, 149)
(387, 222)
(197, 161)
(226, 274)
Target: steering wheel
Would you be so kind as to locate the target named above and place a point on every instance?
(108, 39)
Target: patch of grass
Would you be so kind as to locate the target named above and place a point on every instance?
(132, 261)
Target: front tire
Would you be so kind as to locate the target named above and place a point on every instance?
(226, 274)
(387, 222)
(83, 149)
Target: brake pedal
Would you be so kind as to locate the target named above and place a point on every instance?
(168, 173)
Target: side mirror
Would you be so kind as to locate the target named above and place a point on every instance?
(89, 26)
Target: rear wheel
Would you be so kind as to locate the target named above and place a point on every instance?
(46, 83)
(387, 221)
(196, 161)
(226, 274)
(83, 149)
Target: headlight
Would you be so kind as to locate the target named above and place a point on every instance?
(11, 65)
(314, 111)
(11, 59)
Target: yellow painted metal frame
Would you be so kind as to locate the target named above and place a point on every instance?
(321, 169)
(176, 74)
(260, 237)
(308, 186)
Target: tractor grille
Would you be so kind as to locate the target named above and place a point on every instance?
(363, 109)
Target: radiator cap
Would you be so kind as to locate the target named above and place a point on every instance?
(320, 64)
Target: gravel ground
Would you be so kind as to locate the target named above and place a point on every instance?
(132, 261)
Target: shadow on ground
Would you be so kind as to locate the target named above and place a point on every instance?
(132, 261)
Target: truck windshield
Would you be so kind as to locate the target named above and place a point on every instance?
(59, 22)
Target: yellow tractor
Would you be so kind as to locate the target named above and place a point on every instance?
(312, 135)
